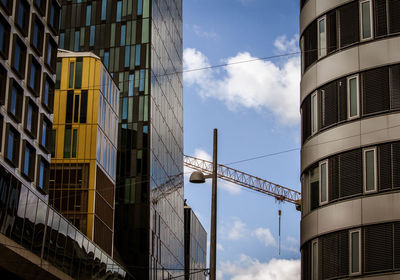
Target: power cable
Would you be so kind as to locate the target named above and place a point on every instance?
(263, 156)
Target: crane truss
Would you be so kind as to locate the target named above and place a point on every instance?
(254, 183)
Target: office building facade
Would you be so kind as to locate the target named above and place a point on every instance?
(350, 156)
(140, 43)
(195, 247)
(84, 146)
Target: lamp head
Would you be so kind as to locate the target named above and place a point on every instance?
(197, 177)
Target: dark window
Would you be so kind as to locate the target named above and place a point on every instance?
(53, 142)
(83, 113)
(53, 15)
(41, 5)
(375, 90)
(385, 166)
(342, 85)
(48, 93)
(349, 24)
(310, 45)
(67, 141)
(334, 257)
(306, 118)
(380, 18)
(78, 73)
(31, 117)
(45, 130)
(4, 37)
(43, 174)
(3, 82)
(7, 5)
(394, 18)
(19, 57)
(74, 142)
(332, 31)
(12, 145)
(333, 178)
(328, 105)
(88, 14)
(51, 53)
(28, 161)
(71, 74)
(15, 97)
(37, 34)
(76, 108)
(70, 104)
(350, 168)
(378, 242)
(22, 16)
(58, 74)
(1, 131)
(35, 72)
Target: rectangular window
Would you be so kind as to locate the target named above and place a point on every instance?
(53, 15)
(4, 37)
(140, 7)
(3, 82)
(123, 35)
(119, 11)
(37, 34)
(22, 16)
(53, 142)
(67, 142)
(127, 56)
(15, 98)
(12, 145)
(74, 142)
(29, 159)
(58, 74)
(322, 37)
(76, 41)
(370, 170)
(34, 75)
(92, 34)
(88, 14)
(106, 59)
(366, 19)
(314, 260)
(43, 174)
(352, 97)
(48, 93)
(137, 55)
(45, 133)
(78, 73)
(131, 84)
(314, 188)
(103, 9)
(70, 105)
(355, 252)
(76, 108)
(31, 117)
(71, 74)
(323, 175)
(83, 111)
(302, 54)
(51, 53)
(19, 57)
(314, 112)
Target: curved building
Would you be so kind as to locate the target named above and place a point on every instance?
(350, 157)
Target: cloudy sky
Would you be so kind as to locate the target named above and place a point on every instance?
(255, 106)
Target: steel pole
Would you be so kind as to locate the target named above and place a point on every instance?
(213, 241)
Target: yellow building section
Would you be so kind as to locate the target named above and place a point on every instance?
(80, 99)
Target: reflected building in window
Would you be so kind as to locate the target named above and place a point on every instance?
(140, 43)
(84, 146)
(350, 158)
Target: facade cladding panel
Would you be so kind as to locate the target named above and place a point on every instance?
(140, 43)
(358, 177)
(195, 247)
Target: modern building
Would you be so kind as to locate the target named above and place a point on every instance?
(195, 247)
(35, 240)
(84, 150)
(350, 156)
(140, 43)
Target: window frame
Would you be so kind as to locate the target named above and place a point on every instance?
(375, 189)
(6, 38)
(53, 59)
(42, 7)
(313, 116)
(326, 163)
(23, 29)
(322, 49)
(49, 106)
(8, 8)
(371, 22)
(31, 168)
(36, 89)
(46, 147)
(315, 241)
(14, 162)
(358, 230)
(349, 117)
(20, 95)
(46, 174)
(54, 27)
(3, 84)
(36, 20)
(23, 52)
(35, 114)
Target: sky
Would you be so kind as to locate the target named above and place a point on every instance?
(255, 107)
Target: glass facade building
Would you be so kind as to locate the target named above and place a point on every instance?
(350, 156)
(84, 146)
(140, 43)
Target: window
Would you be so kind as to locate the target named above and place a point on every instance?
(103, 9)
(366, 19)
(349, 24)
(322, 37)
(127, 56)
(45, 130)
(78, 73)
(324, 185)
(37, 34)
(22, 16)
(83, 113)
(3, 82)
(67, 141)
(41, 5)
(119, 11)
(70, 104)
(370, 170)
(7, 6)
(34, 75)
(53, 15)
(43, 174)
(31, 117)
(140, 7)
(106, 59)
(314, 113)
(51, 53)
(137, 55)
(314, 260)
(355, 252)
(28, 166)
(314, 188)
(15, 97)
(352, 97)
(76, 108)
(74, 142)
(1, 131)
(47, 93)
(71, 74)
(76, 41)
(4, 37)
(92, 34)
(58, 74)
(88, 14)
(12, 145)
(19, 57)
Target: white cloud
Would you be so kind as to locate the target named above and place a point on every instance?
(292, 240)
(234, 231)
(200, 32)
(199, 153)
(283, 45)
(229, 187)
(220, 247)
(246, 268)
(259, 85)
(265, 236)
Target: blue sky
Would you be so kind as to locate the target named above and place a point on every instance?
(255, 108)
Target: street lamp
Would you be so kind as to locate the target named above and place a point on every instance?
(198, 177)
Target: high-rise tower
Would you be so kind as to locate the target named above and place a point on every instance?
(350, 158)
(140, 42)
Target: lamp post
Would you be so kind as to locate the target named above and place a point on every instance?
(199, 177)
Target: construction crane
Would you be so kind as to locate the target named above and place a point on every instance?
(280, 193)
